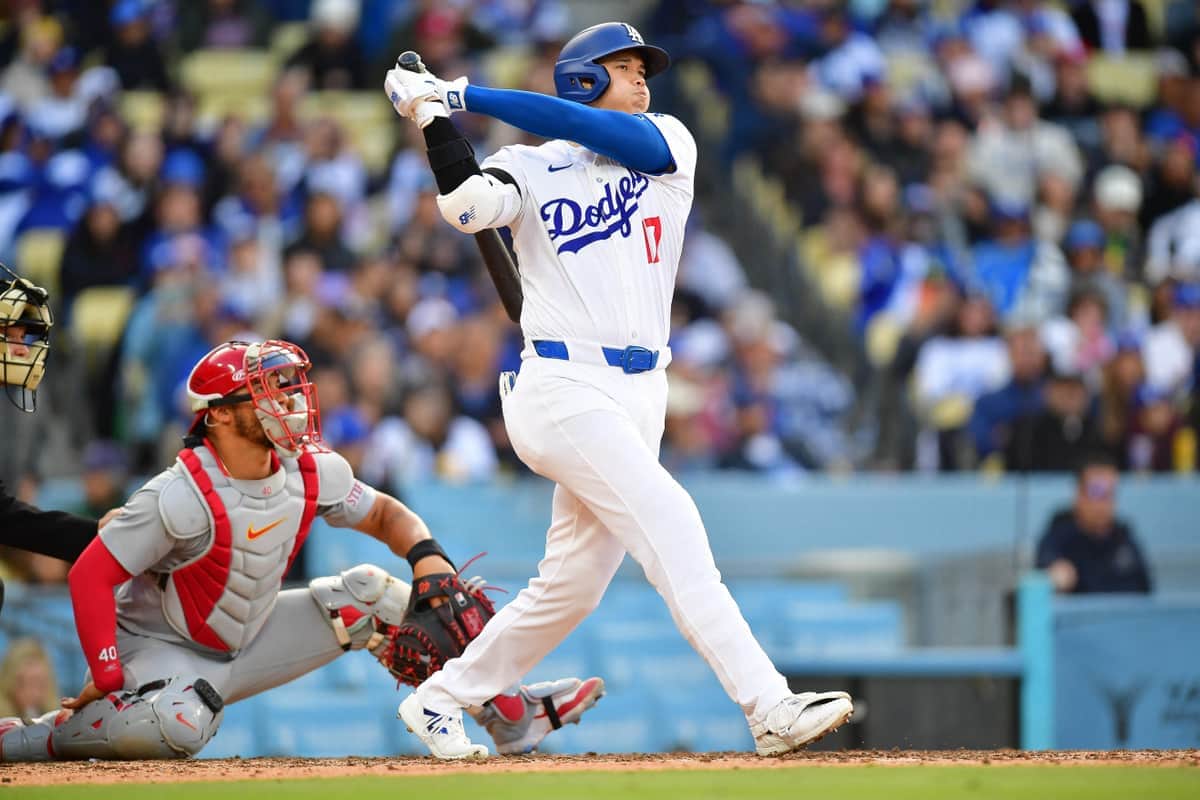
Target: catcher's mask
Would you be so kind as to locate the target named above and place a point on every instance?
(25, 324)
(273, 375)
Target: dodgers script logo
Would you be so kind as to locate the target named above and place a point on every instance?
(579, 227)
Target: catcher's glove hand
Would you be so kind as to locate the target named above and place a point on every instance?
(429, 637)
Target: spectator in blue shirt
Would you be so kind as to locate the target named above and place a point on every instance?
(1087, 548)
(997, 412)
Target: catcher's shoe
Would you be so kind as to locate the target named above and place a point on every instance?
(443, 734)
(518, 722)
(800, 720)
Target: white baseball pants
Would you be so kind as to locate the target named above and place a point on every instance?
(595, 431)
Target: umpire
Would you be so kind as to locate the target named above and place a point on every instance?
(25, 324)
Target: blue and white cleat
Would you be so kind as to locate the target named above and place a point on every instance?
(443, 734)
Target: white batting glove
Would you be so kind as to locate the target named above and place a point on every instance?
(421, 96)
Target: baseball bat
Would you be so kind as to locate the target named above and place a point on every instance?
(496, 257)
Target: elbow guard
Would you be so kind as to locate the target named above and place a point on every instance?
(480, 202)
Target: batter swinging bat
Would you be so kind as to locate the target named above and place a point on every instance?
(499, 261)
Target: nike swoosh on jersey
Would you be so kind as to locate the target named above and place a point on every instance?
(251, 533)
(553, 168)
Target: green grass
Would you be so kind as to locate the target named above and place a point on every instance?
(818, 783)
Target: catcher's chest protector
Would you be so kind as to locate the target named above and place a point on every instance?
(223, 598)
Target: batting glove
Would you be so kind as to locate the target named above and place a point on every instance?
(421, 96)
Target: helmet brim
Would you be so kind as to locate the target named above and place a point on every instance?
(654, 58)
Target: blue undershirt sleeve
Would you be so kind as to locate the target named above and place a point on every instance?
(629, 139)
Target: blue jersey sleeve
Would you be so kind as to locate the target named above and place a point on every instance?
(629, 139)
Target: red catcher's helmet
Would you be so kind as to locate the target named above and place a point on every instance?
(273, 375)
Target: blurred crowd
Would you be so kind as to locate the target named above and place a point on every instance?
(1001, 196)
(1017, 257)
(211, 220)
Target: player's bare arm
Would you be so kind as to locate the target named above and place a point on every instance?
(397, 526)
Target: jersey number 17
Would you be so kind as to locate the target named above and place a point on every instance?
(652, 231)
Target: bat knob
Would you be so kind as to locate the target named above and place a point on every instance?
(410, 61)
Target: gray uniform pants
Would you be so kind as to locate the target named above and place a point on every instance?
(295, 640)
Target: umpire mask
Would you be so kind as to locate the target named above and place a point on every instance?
(25, 324)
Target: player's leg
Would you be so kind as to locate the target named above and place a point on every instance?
(607, 457)
(170, 708)
(519, 719)
(580, 560)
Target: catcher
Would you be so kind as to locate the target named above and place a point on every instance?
(197, 557)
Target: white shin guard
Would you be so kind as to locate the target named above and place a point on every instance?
(362, 599)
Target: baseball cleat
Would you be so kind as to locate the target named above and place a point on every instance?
(800, 720)
(443, 734)
(518, 722)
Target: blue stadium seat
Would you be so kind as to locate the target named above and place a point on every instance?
(763, 600)
(314, 723)
(330, 550)
(574, 658)
(622, 722)
(705, 721)
(241, 732)
(632, 598)
(838, 630)
(353, 671)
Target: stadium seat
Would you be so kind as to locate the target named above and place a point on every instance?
(367, 120)
(39, 257)
(702, 722)
(626, 721)
(574, 658)
(144, 111)
(838, 275)
(98, 317)
(906, 69)
(821, 629)
(506, 66)
(248, 73)
(240, 734)
(882, 339)
(287, 38)
(330, 550)
(761, 600)
(1130, 78)
(696, 83)
(356, 670)
(314, 723)
(1156, 16)
(950, 412)
(213, 107)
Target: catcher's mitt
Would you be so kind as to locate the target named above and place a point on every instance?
(429, 637)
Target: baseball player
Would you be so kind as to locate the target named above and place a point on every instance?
(25, 323)
(197, 558)
(597, 218)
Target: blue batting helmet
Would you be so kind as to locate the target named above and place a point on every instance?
(578, 58)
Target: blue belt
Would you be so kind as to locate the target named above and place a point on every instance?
(631, 360)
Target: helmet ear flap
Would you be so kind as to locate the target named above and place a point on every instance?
(583, 82)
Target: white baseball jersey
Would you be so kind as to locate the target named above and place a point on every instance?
(598, 244)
